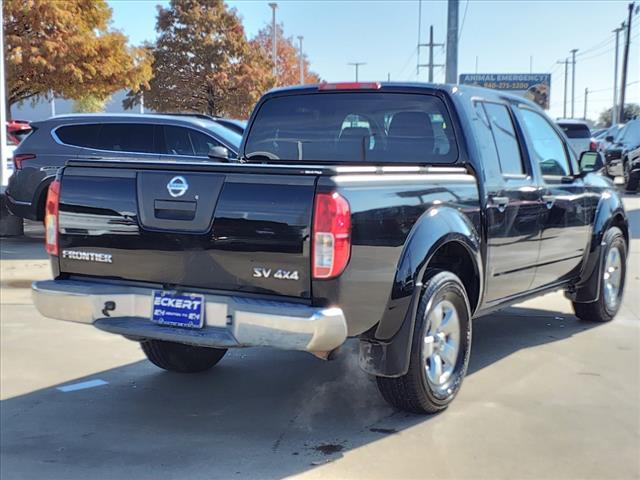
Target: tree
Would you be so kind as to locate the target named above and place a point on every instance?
(204, 63)
(89, 104)
(67, 48)
(287, 56)
(631, 110)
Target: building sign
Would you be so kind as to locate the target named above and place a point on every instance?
(533, 86)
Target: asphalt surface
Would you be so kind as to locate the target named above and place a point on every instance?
(547, 396)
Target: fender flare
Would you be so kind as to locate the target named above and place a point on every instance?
(610, 208)
(386, 351)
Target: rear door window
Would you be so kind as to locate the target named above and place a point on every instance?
(187, 142)
(504, 135)
(79, 135)
(353, 127)
(126, 137)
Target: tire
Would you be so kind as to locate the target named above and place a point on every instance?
(416, 391)
(177, 357)
(607, 304)
(631, 180)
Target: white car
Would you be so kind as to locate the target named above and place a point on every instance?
(578, 133)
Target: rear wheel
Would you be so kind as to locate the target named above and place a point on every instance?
(611, 281)
(177, 357)
(439, 351)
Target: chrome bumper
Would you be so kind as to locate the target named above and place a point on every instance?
(229, 321)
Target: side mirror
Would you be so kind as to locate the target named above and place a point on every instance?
(591, 162)
(609, 138)
(219, 153)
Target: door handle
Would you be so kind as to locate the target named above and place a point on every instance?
(500, 203)
(549, 200)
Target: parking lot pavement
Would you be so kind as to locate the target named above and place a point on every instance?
(546, 396)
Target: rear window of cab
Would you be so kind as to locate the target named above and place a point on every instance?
(372, 127)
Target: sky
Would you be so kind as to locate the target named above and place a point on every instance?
(502, 34)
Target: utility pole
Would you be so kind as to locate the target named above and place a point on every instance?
(388, 77)
(476, 64)
(566, 78)
(530, 63)
(430, 65)
(451, 75)
(573, 81)
(586, 95)
(419, 38)
(357, 65)
(141, 102)
(625, 64)
(300, 37)
(52, 103)
(614, 110)
(274, 54)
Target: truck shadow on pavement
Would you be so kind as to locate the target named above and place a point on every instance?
(260, 413)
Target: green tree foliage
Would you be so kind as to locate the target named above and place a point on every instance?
(67, 47)
(287, 57)
(204, 63)
(631, 110)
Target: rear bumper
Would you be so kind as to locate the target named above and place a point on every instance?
(229, 321)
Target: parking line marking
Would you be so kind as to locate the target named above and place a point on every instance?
(82, 385)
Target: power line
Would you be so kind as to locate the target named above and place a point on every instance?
(464, 16)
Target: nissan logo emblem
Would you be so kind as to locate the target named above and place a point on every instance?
(177, 186)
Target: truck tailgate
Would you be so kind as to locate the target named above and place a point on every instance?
(200, 228)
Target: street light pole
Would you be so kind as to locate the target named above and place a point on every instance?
(274, 54)
(300, 37)
(357, 65)
(3, 111)
(566, 78)
(573, 81)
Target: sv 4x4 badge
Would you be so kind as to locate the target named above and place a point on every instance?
(261, 272)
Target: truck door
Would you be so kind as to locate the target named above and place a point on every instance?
(513, 204)
(565, 216)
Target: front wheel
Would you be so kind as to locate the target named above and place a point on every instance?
(177, 357)
(631, 179)
(439, 350)
(611, 280)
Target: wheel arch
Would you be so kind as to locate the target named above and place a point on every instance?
(442, 239)
(609, 213)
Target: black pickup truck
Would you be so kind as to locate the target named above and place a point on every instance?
(391, 213)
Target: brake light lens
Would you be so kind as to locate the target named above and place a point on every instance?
(350, 86)
(51, 217)
(331, 244)
(21, 157)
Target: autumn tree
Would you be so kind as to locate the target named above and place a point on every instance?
(287, 56)
(67, 47)
(89, 104)
(204, 63)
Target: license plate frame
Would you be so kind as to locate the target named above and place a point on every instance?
(178, 309)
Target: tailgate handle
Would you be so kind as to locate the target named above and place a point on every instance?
(174, 210)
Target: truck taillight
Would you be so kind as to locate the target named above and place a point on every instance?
(21, 157)
(51, 217)
(331, 241)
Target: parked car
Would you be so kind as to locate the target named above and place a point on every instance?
(605, 139)
(105, 136)
(391, 213)
(578, 133)
(618, 158)
(17, 130)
